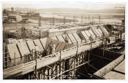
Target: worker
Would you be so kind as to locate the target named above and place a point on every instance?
(53, 48)
(66, 39)
(49, 50)
(38, 52)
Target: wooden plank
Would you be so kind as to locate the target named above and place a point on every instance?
(60, 46)
(114, 75)
(38, 43)
(101, 72)
(120, 67)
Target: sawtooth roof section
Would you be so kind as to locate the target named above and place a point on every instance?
(96, 31)
(31, 45)
(38, 43)
(44, 42)
(23, 48)
(85, 36)
(60, 38)
(77, 37)
(65, 36)
(72, 38)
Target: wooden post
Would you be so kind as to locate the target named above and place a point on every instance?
(14, 58)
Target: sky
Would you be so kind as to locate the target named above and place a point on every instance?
(62, 4)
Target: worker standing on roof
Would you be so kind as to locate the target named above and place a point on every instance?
(53, 48)
(66, 39)
(37, 52)
(49, 50)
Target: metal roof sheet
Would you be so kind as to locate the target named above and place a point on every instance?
(31, 45)
(72, 38)
(77, 37)
(60, 38)
(38, 43)
(23, 48)
(85, 36)
(13, 51)
(65, 36)
(44, 42)
(92, 34)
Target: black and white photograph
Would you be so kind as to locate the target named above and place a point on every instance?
(63, 41)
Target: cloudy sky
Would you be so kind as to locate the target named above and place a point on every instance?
(62, 4)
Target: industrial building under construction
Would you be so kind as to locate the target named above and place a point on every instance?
(62, 47)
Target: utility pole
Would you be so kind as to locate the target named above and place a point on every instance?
(39, 20)
(99, 19)
(53, 20)
(34, 52)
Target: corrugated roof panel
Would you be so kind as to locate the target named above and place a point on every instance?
(105, 31)
(92, 34)
(31, 45)
(13, 51)
(23, 48)
(87, 33)
(38, 43)
(72, 38)
(14, 54)
(101, 33)
(44, 42)
(66, 37)
(77, 37)
(96, 31)
(60, 38)
(85, 36)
